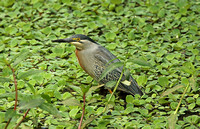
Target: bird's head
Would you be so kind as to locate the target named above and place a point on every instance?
(80, 41)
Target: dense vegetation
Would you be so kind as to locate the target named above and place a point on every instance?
(158, 40)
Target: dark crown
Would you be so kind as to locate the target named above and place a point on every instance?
(82, 37)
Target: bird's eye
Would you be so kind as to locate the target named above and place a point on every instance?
(77, 39)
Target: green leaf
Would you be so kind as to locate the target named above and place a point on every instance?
(85, 88)
(198, 101)
(195, 51)
(5, 79)
(154, 9)
(84, 1)
(11, 30)
(50, 108)
(144, 112)
(20, 57)
(92, 89)
(87, 121)
(191, 106)
(193, 83)
(176, 32)
(110, 84)
(31, 104)
(129, 99)
(142, 80)
(32, 88)
(29, 73)
(67, 2)
(184, 81)
(14, 42)
(169, 91)
(73, 112)
(172, 121)
(77, 89)
(79, 31)
(6, 71)
(3, 59)
(131, 34)
(71, 102)
(46, 97)
(127, 74)
(161, 13)
(187, 70)
(141, 62)
(173, 105)
(26, 27)
(110, 36)
(10, 113)
(116, 1)
(8, 3)
(193, 119)
(163, 81)
(92, 25)
(46, 30)
(58, 51)
(150, 28)
(170, 56)
(11, 95)
(111, 46)
(129, 110)
(110, 68)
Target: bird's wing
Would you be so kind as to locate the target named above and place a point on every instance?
(102, 57)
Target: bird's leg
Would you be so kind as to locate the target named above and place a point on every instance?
(110, 91)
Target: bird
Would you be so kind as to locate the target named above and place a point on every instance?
(94, 58)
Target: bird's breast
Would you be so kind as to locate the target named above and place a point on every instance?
(86, 61)
(80, 60)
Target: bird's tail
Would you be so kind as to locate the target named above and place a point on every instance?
(133, 88)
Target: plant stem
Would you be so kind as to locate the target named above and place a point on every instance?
(181, 99)
(7, 123)
(113, 92)
(22, 119)
(15, 83)
(83, 112)
(84, 124)
(16, 95)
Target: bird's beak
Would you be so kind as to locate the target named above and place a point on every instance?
(71, 41)
(68, 40)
